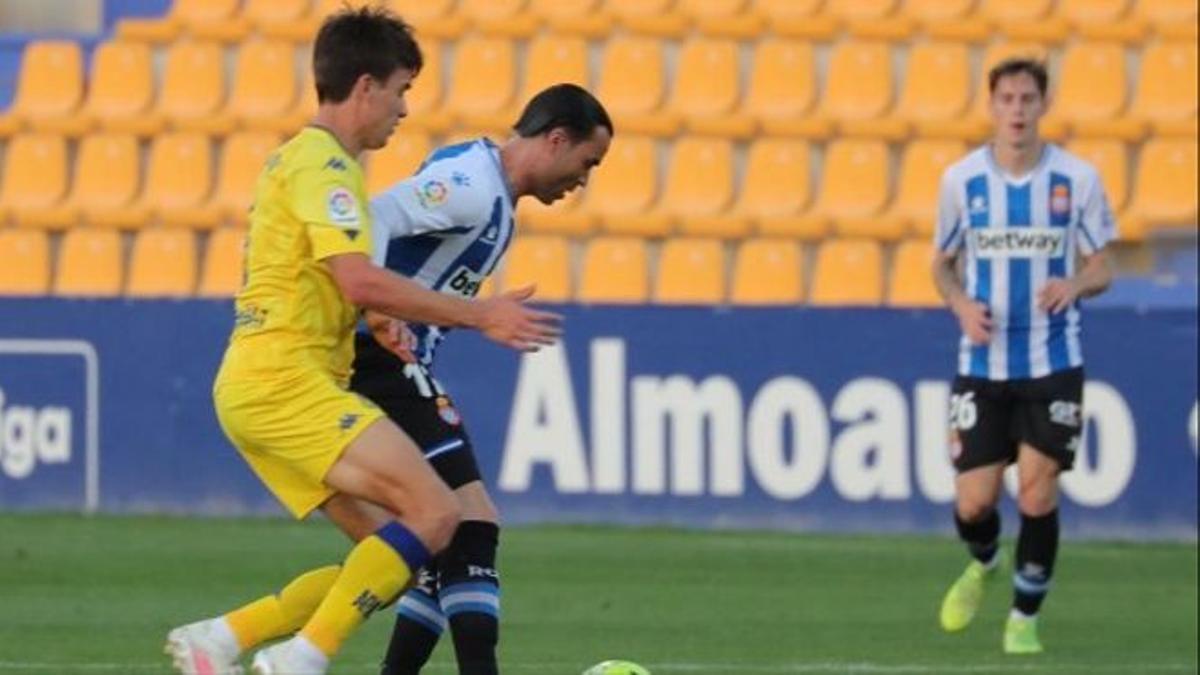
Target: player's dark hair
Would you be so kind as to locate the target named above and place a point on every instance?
(1036, 69)
(568, 106)
(356, 42)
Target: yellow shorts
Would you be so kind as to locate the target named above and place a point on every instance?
(291, 430)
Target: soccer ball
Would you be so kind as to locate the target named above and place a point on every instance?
(616, 668)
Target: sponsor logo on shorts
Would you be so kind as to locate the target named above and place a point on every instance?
(1019, 242)
(1066, 413)
(448, 412)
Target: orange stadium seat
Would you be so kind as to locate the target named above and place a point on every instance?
(574, 17)
(549, 60)
(178, 180)
(707, 88)
(911, 282)
(162, 263)
(542, 261)
(122, 89)
(858, 89)
(1091, 94)
(690, 272)
(614, 271)
(651, 17)
(796, 18)
(977, 124)
(948, 19)
(432, 18)
(860, 10)
(427, 97)
(221, 274)
(185, 16)
(1101, 19)
(483, 82)
(1170, 18)
(848, 272)
(776, 190)
(35, 177)
(937, 85)
(277, 18)
(854, 188)
(108, 173)
(1165, 187)
(783, 89)
(303, 29)
(724, 18)
(562, 217)
(243, 156)
(1166, 92)
(699, 189)
(767, 272)
(915, 207)
(500, 17)
(49, 88)
(1110, 159)
(625, 185)
(89, 263)
(632, 81)
(264, 87)
(26, 256)
(1025, 19)
(398, 160)
(871, 18)
(193, 84)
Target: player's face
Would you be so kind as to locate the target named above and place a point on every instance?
(384, 104)
(1017, 104)
(570, 163)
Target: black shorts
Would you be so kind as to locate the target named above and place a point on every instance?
(989, 419)
(416, 402)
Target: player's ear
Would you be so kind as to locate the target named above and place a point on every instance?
(558, 137)
(364, 84)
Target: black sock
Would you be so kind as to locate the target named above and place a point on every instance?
(1037, 547)
(469, 589)
(982, 536)
(419, 624)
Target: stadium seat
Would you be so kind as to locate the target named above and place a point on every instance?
(911, 282)
(1166, 95)
(947, 19)
(723, 18)
(89, 263)
(1101, 19)
(277, 18)
(432, 18)
(49, 87)
(1091, 94)
(483, 82)
(796, 18)
(35, 177)
(221, 274)
(162, 263)
(848, 272)
(574, 17)
(632, 80)
(426, 99)
(26, 256)
(854, 188)
(783, 89)
(976, 124)
(650, 17)
(915, 207)
(500, 17)
(707, 88)
(178, 181)
(549, 60)
(1165, 188)
(398, 160)
(776, 193)
(624, 186)
(767, 272)
(614, 271)
(543, 261)
(562, 217)
(1170, 18)
(108, 173)
(243, 156)
(872, 18)
(1110, 159)
(193, 84)
(858, 89)
(699, 189)
(264, 88)
(937, 86)
(185, 16)
(1025, 19)
(121, 90)
(690, 272)
(303, 109)
(303, 29)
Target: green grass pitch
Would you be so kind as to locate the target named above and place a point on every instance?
(97, 595)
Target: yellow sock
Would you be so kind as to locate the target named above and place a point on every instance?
(282, 614)
(374, 573)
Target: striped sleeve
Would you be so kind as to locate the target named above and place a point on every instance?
(1096, 224)
(948, 233)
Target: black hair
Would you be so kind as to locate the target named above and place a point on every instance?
(568, 106)
(1014, 66)
(356, 42)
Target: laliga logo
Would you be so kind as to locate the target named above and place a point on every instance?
(30, 435)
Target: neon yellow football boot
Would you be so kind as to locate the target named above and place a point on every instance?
(965, 595)
(1020, 635)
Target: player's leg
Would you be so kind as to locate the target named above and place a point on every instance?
(469, 585)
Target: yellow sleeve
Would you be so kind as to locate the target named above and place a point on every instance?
(328, 204)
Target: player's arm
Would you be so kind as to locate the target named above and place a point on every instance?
(1095, 229)
(973, 316)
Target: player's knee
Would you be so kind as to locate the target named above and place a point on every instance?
(973, 511)
(440, 516)
(1036, 502)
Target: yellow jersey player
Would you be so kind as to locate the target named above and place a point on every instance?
(281, 393)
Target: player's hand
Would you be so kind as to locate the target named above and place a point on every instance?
(1057, 295)
(393, 335)
(506, 319)
(975, 321)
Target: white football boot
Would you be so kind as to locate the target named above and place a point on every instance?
(203, 648)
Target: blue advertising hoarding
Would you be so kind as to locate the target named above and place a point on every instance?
(821, 419)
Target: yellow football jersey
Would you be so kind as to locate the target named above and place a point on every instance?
(310, 204)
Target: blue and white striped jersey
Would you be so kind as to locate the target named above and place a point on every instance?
(445, 227)
(1017, 233)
